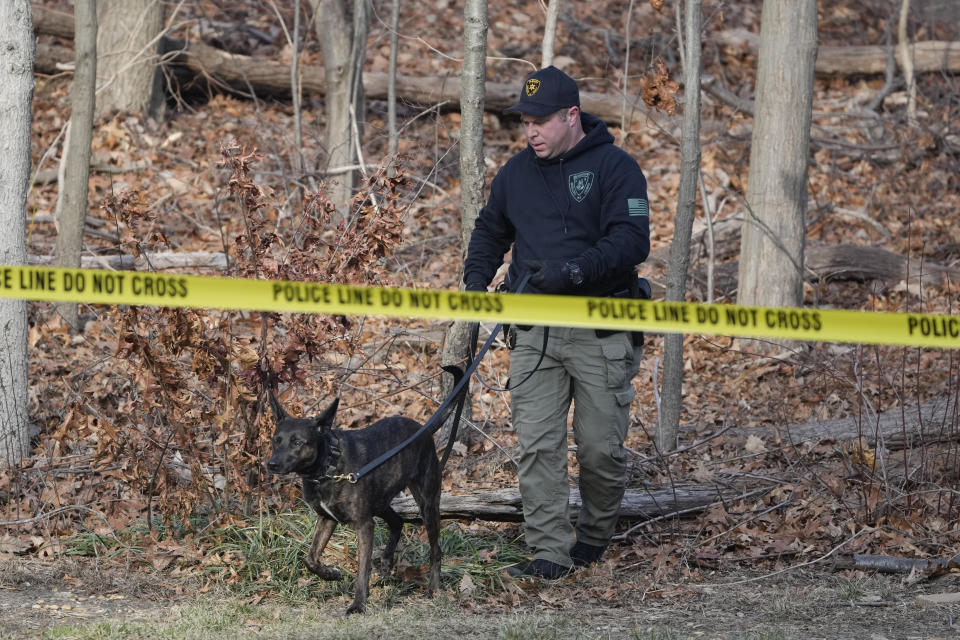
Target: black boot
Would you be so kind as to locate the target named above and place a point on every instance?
(539, 569)
(584, 555)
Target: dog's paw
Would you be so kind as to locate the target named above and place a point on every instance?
(329, 574)
(384, 566)
(323, 572)
(356, 607)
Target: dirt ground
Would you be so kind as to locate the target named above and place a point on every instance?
(76, 598)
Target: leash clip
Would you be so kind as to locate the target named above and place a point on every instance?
(349, 477)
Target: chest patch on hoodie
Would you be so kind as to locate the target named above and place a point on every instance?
(580, 184)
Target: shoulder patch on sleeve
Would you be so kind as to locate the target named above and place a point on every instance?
(638, 207)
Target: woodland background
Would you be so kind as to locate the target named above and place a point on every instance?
(148, 431)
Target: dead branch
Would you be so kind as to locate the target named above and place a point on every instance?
(690, 511)
(893, 564)
(49, 514)
(661, 456)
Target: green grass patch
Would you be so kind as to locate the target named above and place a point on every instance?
(267, 555)
(264, 555)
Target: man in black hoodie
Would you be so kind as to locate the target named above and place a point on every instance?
(574, 207)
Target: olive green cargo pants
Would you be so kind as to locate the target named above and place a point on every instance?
(595, 374)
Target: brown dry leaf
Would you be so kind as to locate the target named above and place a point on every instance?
(510, 599)
(52, 550)
(859, 453)
(246, 356)
(466, 586)
(703, 475)
(17, 546)
(657, 4)
(659, 91)
(755, 445)
(487, 556)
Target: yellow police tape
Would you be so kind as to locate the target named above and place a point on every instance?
(151, 289)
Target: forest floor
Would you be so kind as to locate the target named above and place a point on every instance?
(153, 414)
(76, 599)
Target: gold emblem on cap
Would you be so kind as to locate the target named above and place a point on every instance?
(532, 86)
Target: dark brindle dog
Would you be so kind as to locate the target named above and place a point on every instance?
(323, 456)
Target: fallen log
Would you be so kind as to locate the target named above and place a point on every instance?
(52, 22)
(145, 262)
(52, 58)
(935, 421)
(893, 564)
(929, 56)
(822, 263)
(861, 263)
(504, 505)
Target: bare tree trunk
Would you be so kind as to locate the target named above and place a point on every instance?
(393, 142)
(342, 27)
(905, 53)
(296, 95)
(625, 130)
(771, 249)
(472, 97)
(456, 344)
(72, 203)
(16, 78)
(127, 44)
(550, 33)
(671, 403)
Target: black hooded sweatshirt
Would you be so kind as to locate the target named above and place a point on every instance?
(588, 205)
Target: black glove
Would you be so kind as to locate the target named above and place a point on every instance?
(554, 276)
(475, 285)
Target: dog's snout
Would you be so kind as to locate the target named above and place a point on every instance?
(273, 465)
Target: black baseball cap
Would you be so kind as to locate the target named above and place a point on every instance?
(546, 91)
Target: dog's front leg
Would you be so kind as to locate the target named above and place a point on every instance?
(321, 535)
(364, 560)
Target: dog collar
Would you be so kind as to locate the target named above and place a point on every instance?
(333, 454)
(325, 465)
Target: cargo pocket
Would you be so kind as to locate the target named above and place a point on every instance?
(625, 397)
(616, 361)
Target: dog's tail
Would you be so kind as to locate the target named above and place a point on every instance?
(457, 374)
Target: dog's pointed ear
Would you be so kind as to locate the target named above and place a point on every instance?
(278, 412)
(325, 421)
